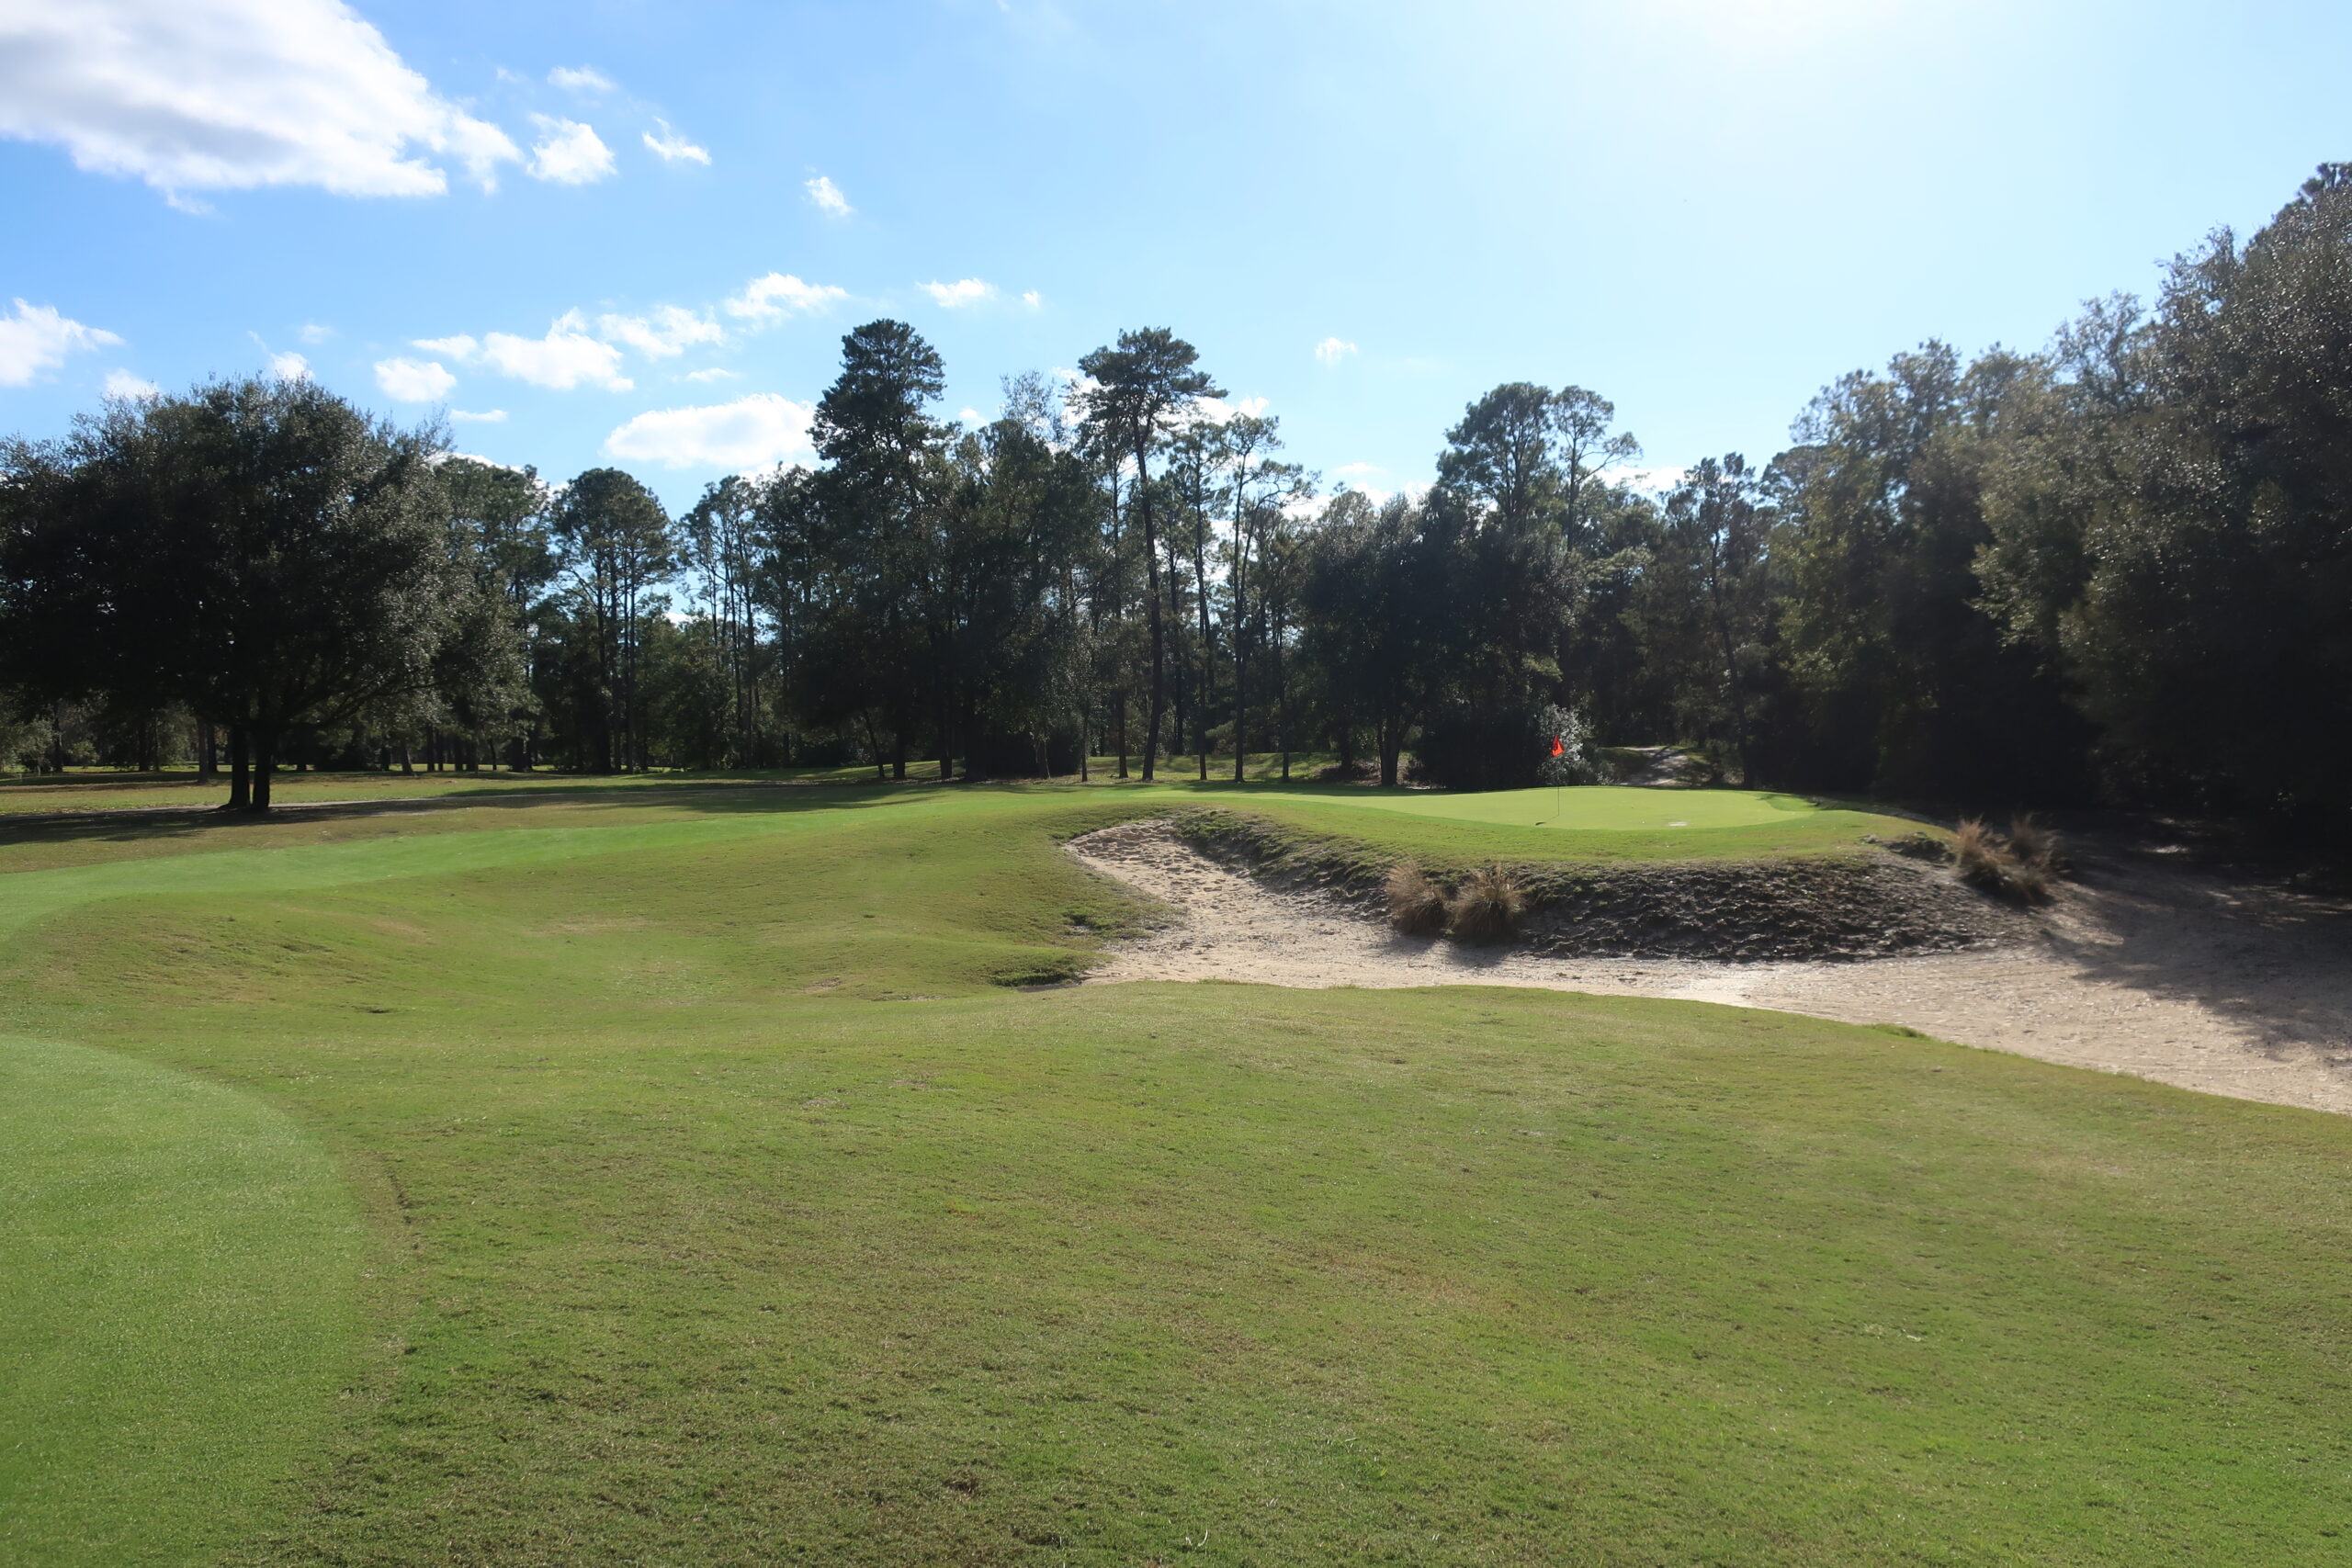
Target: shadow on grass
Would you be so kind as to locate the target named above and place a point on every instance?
(151, 824)
(765, 790)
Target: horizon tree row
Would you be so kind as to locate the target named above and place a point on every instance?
(2117, 569)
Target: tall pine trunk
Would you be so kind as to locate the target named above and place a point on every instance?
(1159, 635)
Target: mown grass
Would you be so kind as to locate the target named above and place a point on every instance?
(180, 1300)
(1597, 824)
(754, 1219)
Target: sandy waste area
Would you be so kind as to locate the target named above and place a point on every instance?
(2140, 966)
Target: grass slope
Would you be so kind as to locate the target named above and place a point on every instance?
(178, 1303)
(755, 1222)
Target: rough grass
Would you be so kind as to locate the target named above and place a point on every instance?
(1488, 906)
(2000, 865)
(754, 1220)
(1416, 904)
(2037, 845)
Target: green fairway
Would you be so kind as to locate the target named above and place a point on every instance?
(748, 1215)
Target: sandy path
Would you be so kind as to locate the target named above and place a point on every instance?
(2169, 974)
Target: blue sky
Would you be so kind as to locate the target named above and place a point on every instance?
(1363, 214)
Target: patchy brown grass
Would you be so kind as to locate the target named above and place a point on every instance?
(1488, 906)
(1416, 904)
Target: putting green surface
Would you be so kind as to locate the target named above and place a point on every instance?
(752, 1219)
(1589, 807)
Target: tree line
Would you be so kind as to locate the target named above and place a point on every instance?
(2117, 569)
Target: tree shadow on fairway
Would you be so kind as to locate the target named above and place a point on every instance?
(236, 829)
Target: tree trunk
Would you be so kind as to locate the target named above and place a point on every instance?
(208, 752)
(1122, 706)
(1159, 636)
(265, 768)
(239, 778)
(1240, 681)
(1204, 698)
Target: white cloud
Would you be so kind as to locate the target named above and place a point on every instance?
(36, 338)
(1217, 410)
(563, 359)
(313, 332)
(580, 79)
(413, 380)
(1331, 350)
(713, 374)
(674, 147)
(489, 416)
(1648, 480)
(955, 295)
(1353, 471)
(290, 366)
(827, 196)
(666, 331)
(759, 431)
(123, 384)
(973, 416)
(779, 294)
(1033, 301)
(569, 152)
(229, 95)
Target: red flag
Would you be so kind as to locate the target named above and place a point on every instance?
(1556, 748)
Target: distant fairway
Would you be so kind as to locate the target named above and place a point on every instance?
(745, 1214)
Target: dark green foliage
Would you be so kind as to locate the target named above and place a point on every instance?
(1899, 681)
(259, 551)
(2173, 524)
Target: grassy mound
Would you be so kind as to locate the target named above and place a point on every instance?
(757, 1221)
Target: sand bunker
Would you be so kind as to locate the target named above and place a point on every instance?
(2143, 967)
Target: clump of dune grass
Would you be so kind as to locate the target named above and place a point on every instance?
(1488, 906)
(1989, 860)
(2037, 845)
(1416, 904)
